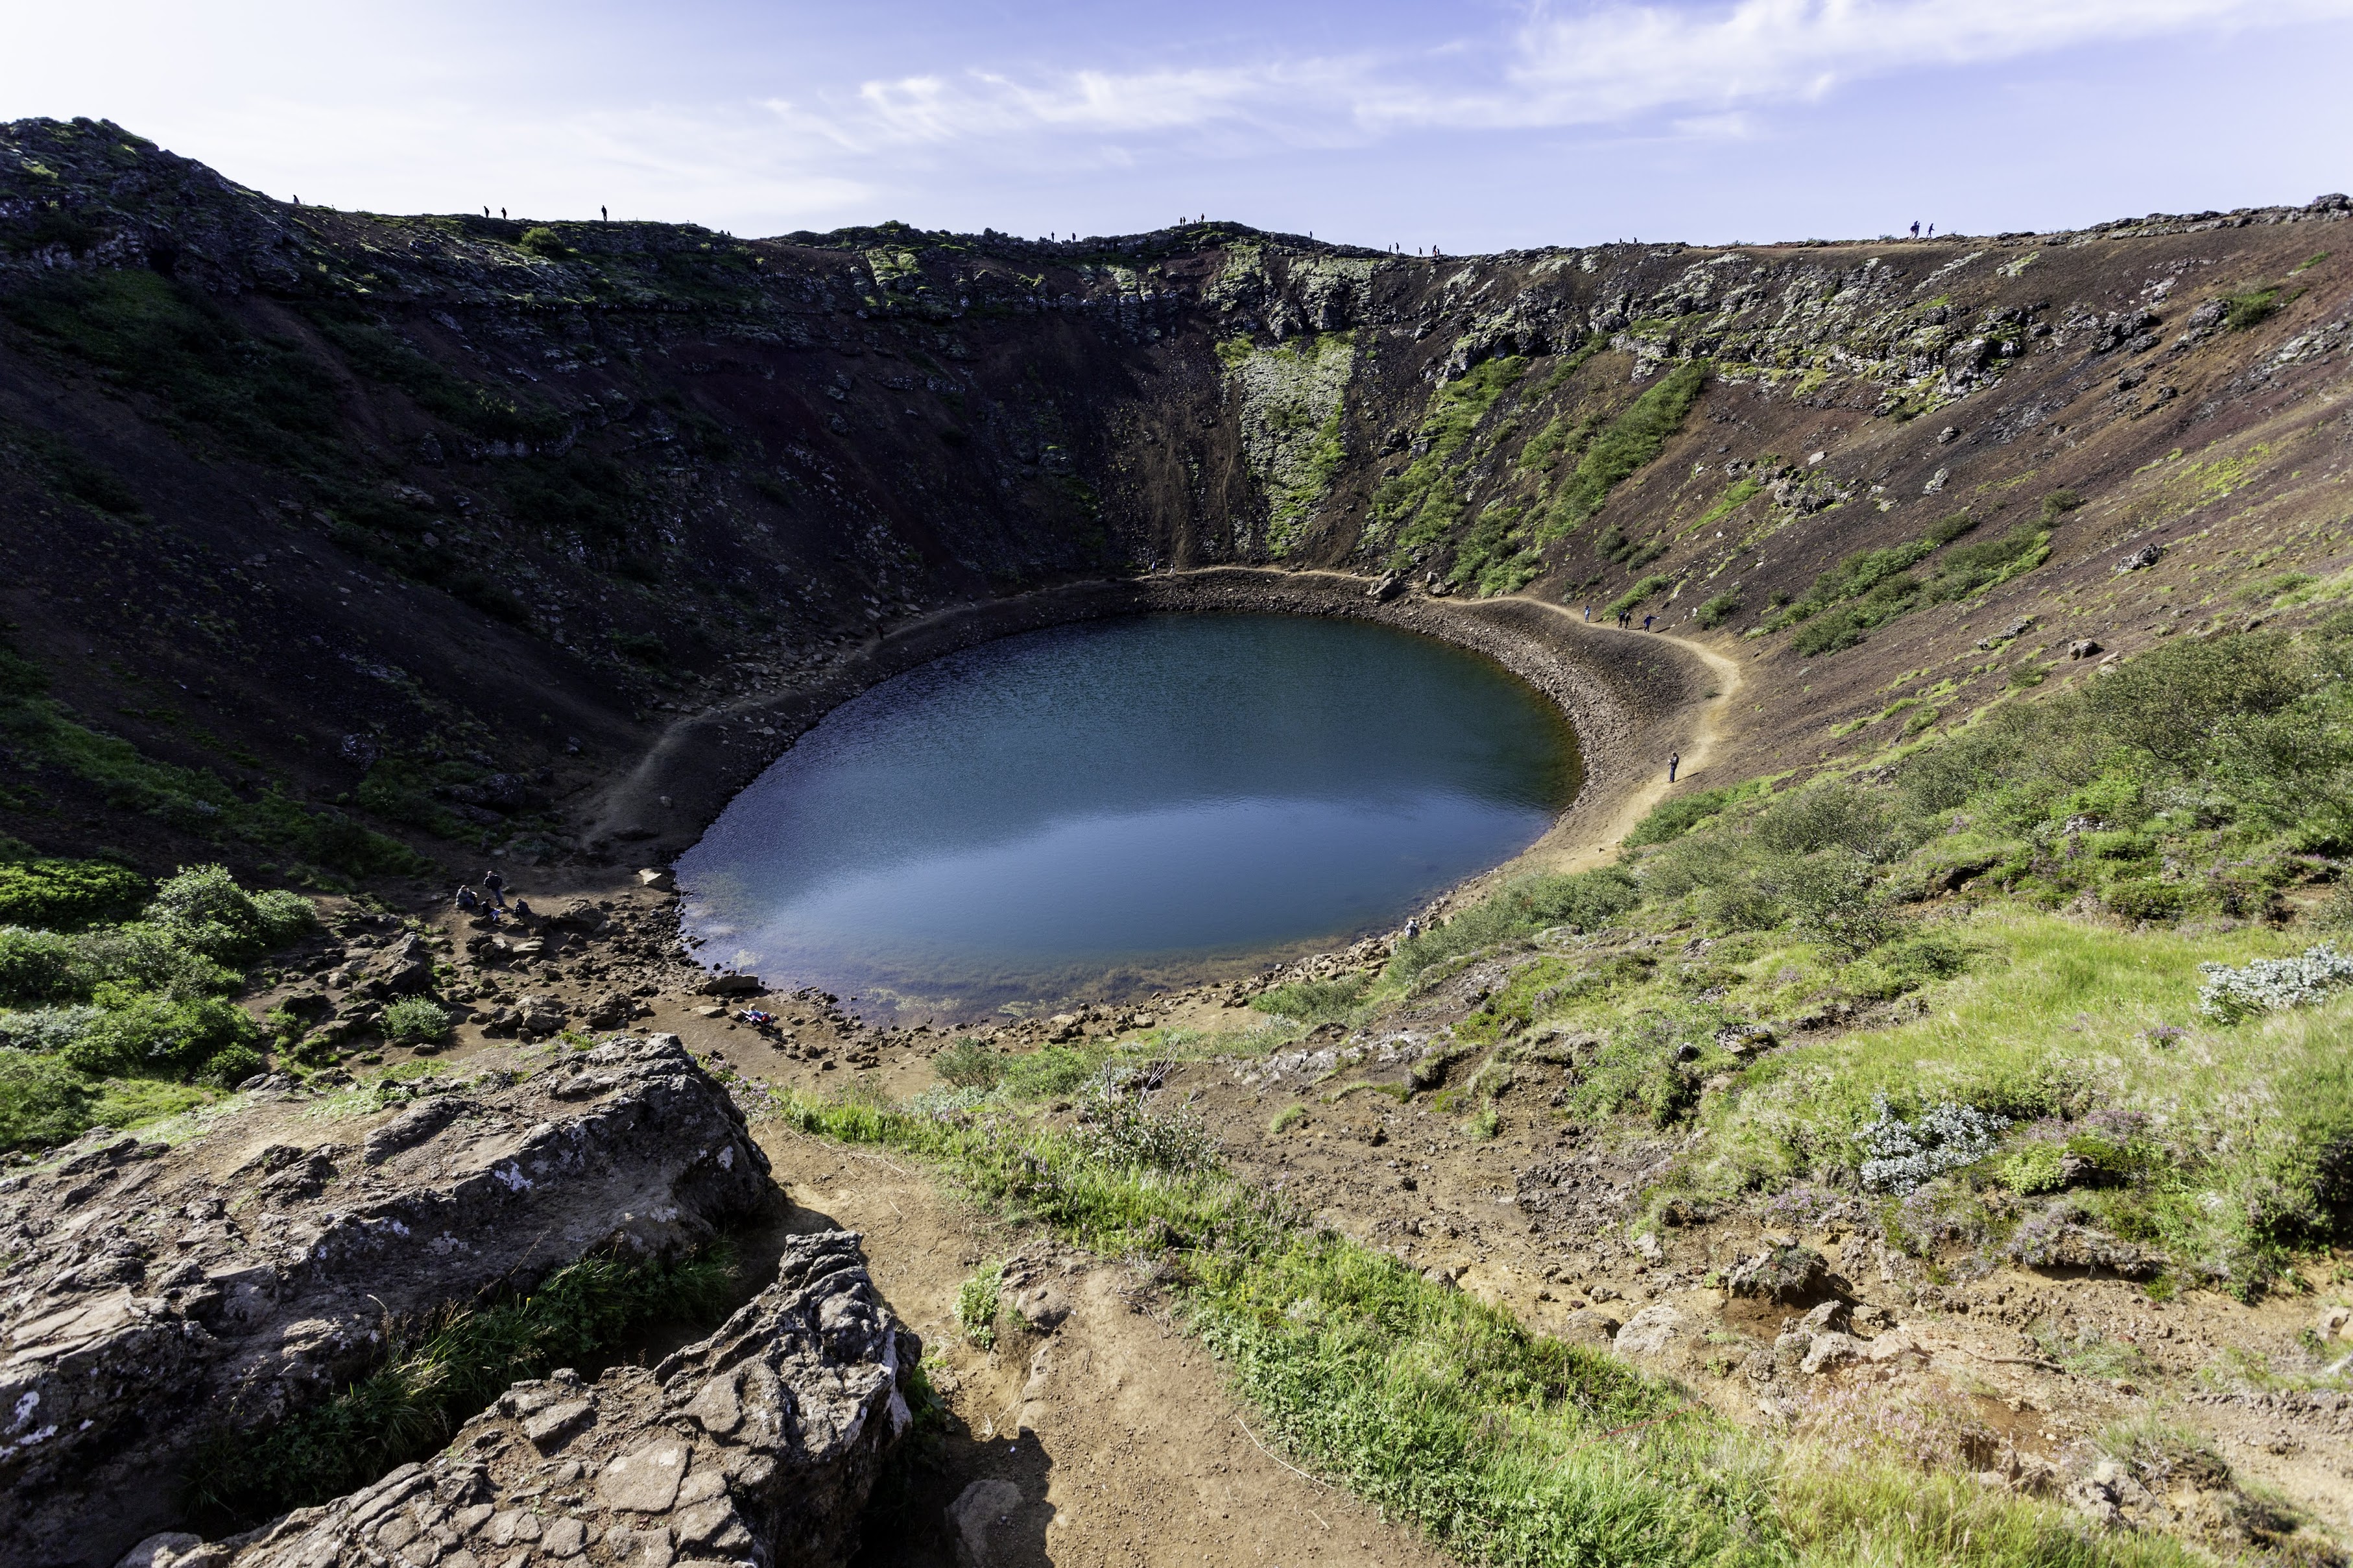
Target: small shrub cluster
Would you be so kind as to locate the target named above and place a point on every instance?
(1899, 1156)
(2269, 984)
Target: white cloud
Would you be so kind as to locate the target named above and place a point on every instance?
(1602, 65)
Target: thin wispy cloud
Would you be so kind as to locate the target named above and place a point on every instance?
(1597, 66)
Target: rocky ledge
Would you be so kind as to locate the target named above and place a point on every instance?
(758, 1445)
(159, 1293)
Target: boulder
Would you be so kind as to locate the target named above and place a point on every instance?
(612, 1010)
(1787, 1276)
(1648, 1331)
(731, 986)
(1589, 1326)
(760, 1444)
(535, 1015)
(1388, 588)
(579, 915)
(659, 881)
(403, 968)
(981, 1520)
(165, 1295)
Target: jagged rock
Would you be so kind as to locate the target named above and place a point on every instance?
(1790, 1276)
(612, 1010)
(2083, 647)
(166, 1294)
(405, 969)
(1388, 588)
(731, 986)
(536, 1015)
(580, 915)
(659, 881)
(759, 1444)
(2141, 560)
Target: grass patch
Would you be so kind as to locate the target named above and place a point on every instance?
(1633, 439)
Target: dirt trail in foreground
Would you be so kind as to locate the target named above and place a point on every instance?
(1108, 1439)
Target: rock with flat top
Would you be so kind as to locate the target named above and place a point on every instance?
(169, 1294)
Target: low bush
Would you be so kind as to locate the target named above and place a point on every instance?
(968, 1064)
(1315, 1001)
(416, 1021)
(66, 895)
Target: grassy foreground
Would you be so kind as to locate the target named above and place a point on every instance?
(1506, 1447)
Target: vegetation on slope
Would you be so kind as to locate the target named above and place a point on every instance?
(1506, 1447)
(105, 1020)
(2024, 905)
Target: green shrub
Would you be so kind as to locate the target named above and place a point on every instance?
(2032, 1169)
(1589, 899)
(414, 1020)
(229, 1068)
(66, 895)
(1671, 819)
(1314, 1001)
(142, 1035)
(1632, 598)
(204, 907)
(543, 241)
(2250, 308)
(1715, 612)
(1633, 440)
(1289, 1116)
(38, 967)
(977, 1305)
(968, 1064)
(42, 1103)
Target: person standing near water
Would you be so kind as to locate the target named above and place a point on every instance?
(1674, 761)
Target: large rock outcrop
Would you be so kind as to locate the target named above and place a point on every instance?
(758, 1445)
(159, 1293)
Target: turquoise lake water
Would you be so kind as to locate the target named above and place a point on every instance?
(1097, 810)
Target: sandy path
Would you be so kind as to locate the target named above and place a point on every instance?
(1115, 1430)
(1566, 850)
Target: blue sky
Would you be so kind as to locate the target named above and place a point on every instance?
(1472, 126)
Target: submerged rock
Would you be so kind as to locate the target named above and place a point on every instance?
(164, 1295)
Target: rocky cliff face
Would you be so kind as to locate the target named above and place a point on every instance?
(430, 523)
(166, 1294)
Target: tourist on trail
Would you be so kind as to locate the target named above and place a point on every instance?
(466, 902)
(1646, 622)
(1932, 231)
(1915, 228)
(1588, 614)
(1412, 928)
(605, 213)
(495, 886)
(521, 910)
(1674, 761)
